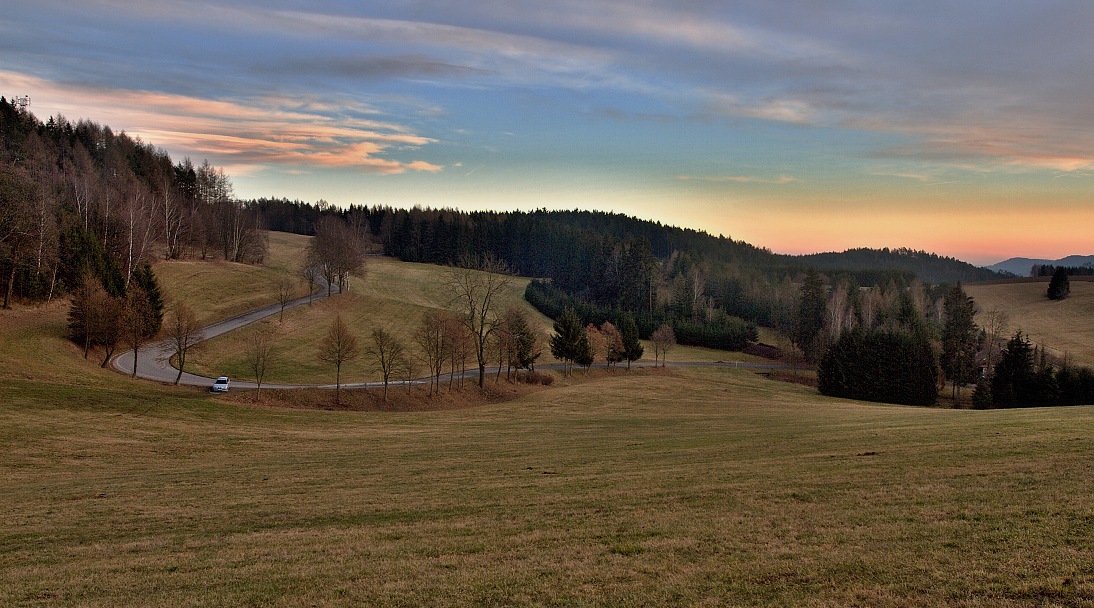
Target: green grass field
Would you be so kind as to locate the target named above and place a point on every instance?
(1066, 327)
(701, 487)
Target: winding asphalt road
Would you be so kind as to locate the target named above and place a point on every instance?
(154, 360)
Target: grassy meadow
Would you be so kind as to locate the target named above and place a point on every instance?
(391, 294)
(709, 487)
(1065, 327)
(218, 290)
(698, 487)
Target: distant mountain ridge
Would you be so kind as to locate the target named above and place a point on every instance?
(1022, 266)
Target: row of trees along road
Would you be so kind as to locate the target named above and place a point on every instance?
(575, 344)
(474, 325)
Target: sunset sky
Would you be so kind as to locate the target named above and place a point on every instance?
(963, 128)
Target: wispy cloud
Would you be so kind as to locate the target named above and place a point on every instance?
(246, 135)
(738, 179)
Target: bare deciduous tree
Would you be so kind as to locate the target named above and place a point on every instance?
(285, 291)
(336, 252)
(457, 348)
(430, 338)
(476, 290)
(663, 340)
(259, 355)
(185, 334)
(598, 344)
(310, 274)
(388, 354)
(139, 322)
(338, 347)
(995, 323)
(614, 341)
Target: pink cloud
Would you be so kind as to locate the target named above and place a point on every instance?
(263, 133)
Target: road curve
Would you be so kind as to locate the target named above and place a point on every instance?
(154, 360)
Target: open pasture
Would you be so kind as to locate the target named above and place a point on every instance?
(1065, 327)
(709, 487)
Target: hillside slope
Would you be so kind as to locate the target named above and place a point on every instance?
(1065, 327)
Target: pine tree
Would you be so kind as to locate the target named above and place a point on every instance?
(583, 351)
(1059, 286)
(810, 321)
(567, 338)
(959, 337)
(881, 365)
(632, 346)
(1010, 386)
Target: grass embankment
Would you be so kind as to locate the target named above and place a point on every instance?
(688, 487)
(1065, 327)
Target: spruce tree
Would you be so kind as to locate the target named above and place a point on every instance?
(632, 346)
(1059, 286)
(811, 305)
(567, 338)
(960, 339)
(1010, 386)
(146, 280)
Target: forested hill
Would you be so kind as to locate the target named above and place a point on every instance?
(929, 267)
(412, 234)
(79, 201)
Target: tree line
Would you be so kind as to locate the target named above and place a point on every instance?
(903, 344)
(709, 289)
(1048, 270)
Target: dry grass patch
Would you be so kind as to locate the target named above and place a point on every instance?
(698, 487)
(1066, 326)
(218, 290)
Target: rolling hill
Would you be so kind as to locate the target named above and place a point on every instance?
(701, 486)
(1065, 327)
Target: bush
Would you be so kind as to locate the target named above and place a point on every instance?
(542, 378)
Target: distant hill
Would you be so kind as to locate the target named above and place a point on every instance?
(930, 267)
(1022, 266)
